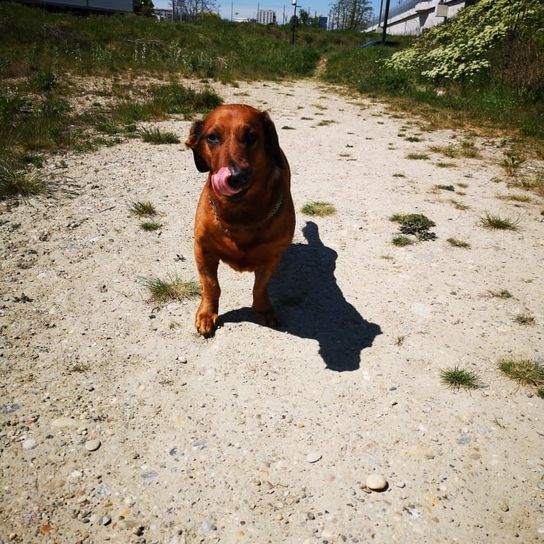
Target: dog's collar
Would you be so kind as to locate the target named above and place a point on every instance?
(270, 215)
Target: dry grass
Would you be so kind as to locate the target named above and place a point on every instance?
(162, 291)
(495, 222)
(523, 371)
(320, 209)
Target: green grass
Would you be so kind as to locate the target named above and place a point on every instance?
(458, 243)
(155, 136)
(502, 293)
(511, 164)
(19, 183)
(162, 291)
(415, 224)
(143, 209)
(523, 371)
(318, 208)
(496, 222)
(442, 164)
(417, 156)
(524, 319)
(401, 241)
(150, 225)
(457, 378)
(413, 139)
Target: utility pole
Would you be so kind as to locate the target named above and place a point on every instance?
(386, 16)
(294, 2)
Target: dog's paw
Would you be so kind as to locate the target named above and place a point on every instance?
(206, 324)
(267, 318)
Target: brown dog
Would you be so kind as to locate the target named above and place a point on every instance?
(245, 216)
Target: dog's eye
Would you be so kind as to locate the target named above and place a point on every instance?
(212, 138)
(250, 138)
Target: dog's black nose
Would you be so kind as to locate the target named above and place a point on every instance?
(239, 177)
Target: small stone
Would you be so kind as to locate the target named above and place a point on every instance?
(105, 520)
(540, 485)
(402, 485)
(310, 516)
(376, 482)
(503, 506)
(29, 444)
(313, 457)
(208, 526)
(181, 360)
(138, 531)
(92, 445)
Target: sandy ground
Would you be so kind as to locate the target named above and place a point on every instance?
(210, 440)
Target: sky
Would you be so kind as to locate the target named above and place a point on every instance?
(248, 8)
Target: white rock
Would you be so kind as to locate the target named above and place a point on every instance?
(313, 457)
(92, 445)
(376, 482)
(29, 444)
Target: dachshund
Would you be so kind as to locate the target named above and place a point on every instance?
(245, 215)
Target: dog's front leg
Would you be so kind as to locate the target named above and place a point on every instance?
(207, 313)
(262, 306)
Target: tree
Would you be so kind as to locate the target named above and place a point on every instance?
(304, 17)
(190, 10)
(350, 14)
(143, 7)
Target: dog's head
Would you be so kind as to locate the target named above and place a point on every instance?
(237, 144)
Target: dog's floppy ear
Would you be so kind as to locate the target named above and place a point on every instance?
(271, 144)
(193, 142)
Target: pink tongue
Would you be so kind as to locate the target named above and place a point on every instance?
(220, 184)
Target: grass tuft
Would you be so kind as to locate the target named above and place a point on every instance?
(511, 164)
(495, 222)
(15, 182)
(503, 293)
(318, 208)
(523, 371)
(162, 291)
(458, 243)
(155, 136)
(401, 241)
(150, 225)
(459, 205)
(445, 187)
(457, 378)
(515, 198)
(415, 224)
(417, 156)
(524, 319)
(143, 209)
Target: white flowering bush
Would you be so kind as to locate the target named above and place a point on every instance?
(460, 49)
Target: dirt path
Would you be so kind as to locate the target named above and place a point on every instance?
(208, 441)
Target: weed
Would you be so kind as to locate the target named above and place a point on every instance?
(540, 392)
(401, 241)
(162, 291)
(14, 182)
(416, 224)
(523, 371)
(458, 243)
(143, 209)
(399, 176)
(462, 185)
(320, 209)
(459, 205)
(80, 367)
(325, 122)
(503, 293)
(417, 156)
(524, 319)
(445, 187)
(413, 139)
(400, 340)
(442, 164)
(511, 164)
(150, 225)
(107, 127)
(495, 222)
(457, 378)
(287, 127)
(515, 198)
(155, 136)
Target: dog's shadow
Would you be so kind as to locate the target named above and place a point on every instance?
(310, 304)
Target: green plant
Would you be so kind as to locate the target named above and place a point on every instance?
(318, 208)
(415, 224)
(401, 241)
(511, 164)
(457, 378)
(459, 205)
(524, 319)
(417, 156)
(458, 243)
(515, 198)
(150, 225)
(503, 293)
(162, 291)
(14, 182)
(524, 371)
(445, 187)
(495, 222)
(155, 136)
(442, 164)
(142, 209)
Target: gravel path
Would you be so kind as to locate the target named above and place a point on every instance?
(119, 424)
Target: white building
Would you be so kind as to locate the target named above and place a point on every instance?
(266, 17)
(410, 17)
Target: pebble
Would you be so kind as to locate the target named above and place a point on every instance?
(313, 457)
(181, 360)
(92, 445)
(29, 444)
(376, 482)
(402, 485)
(208, 526)
(503, 506)
(540, 485)
(105, 520)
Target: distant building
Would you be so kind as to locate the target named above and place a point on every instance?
(266, 17)
(322, 22)
(163, 14)
(104, 6)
